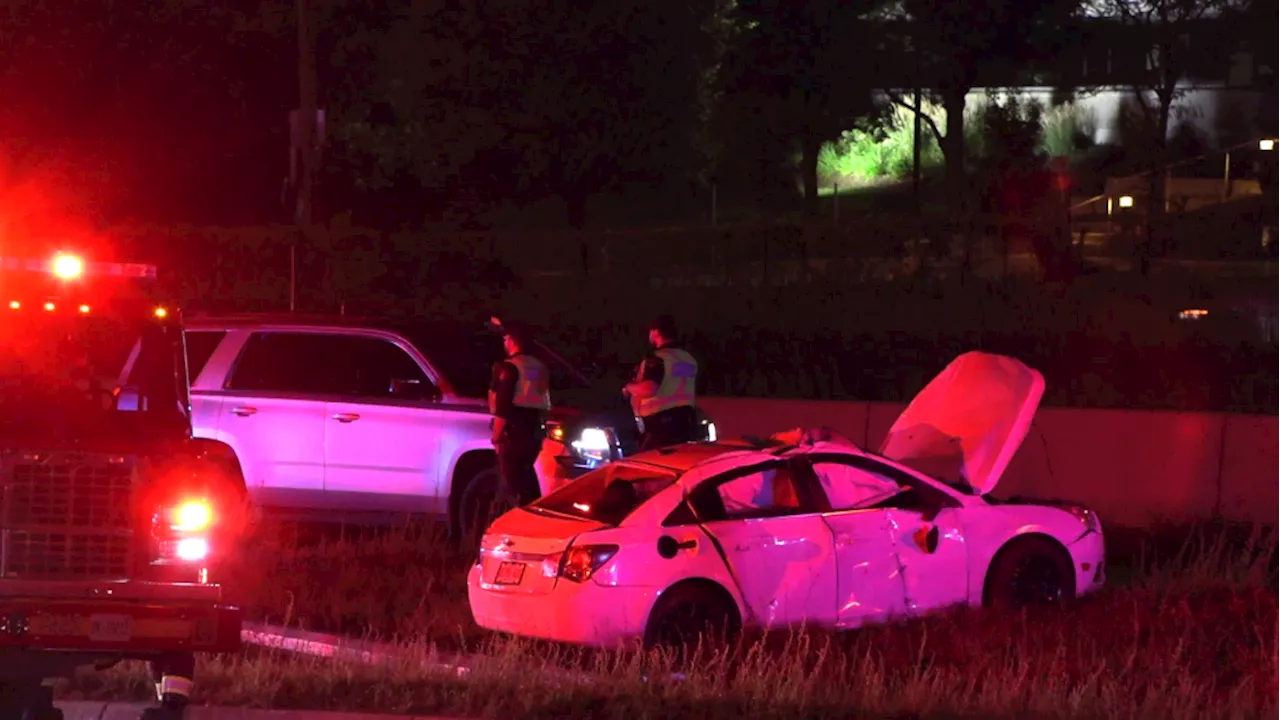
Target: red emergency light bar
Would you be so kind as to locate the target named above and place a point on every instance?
(66, 267)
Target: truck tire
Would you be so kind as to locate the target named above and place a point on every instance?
(478, 506)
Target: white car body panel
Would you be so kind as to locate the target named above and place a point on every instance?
(280, 443)
(908, 545)
(373, 451)
(870, 579)
(936, 580)
(784, 567)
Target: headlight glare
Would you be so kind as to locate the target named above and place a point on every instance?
(593, 444)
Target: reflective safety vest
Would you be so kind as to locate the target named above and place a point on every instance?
(533, 383)
(680, 374)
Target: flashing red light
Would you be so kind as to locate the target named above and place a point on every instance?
(68, 267)
(84, 309)
(49, 306)
(14, 305)
(192, 516)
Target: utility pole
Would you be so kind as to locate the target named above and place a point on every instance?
(915, 129)
(307, 143)
(306, 118)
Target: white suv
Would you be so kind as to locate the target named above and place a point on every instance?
(346, 418)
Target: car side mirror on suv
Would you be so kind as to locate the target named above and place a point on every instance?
(414, 389)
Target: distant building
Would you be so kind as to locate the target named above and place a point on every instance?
(1226, 92)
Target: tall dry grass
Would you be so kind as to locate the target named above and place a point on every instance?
(1191, 633)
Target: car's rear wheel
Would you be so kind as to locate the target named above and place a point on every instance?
(692, 617)
(479, 506)
(1029, 571)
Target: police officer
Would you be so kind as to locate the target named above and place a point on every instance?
(662, 394)
(519, 398)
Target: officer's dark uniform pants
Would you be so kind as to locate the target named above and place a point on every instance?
(517, 455)
(669, 427)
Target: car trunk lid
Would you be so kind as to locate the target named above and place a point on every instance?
(521, 551)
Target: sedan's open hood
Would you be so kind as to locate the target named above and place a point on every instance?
(967, 423)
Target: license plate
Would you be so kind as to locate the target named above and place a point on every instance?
(509, 573)
(97, 627)
(110, 628)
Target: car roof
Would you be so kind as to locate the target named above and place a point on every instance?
(687, 456)
(680, 458)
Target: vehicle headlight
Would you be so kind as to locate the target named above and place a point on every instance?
(1088, 517)
(594, 444)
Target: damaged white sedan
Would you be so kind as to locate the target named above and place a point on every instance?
(804, 529)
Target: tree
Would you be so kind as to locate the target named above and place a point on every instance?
(123, 109)
(515, 98)
(602, 96)
(1178, 47)
(795, 67)
(958, 45)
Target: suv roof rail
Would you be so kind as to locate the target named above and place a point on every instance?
(297, 318)
(273, 316)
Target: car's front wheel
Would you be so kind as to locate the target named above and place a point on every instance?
(692, 616)
(1029, 571)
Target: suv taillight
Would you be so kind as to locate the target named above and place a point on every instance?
(580, 563)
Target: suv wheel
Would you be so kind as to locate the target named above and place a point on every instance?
(479, 506)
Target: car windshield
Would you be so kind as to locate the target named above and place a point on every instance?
(609, 494)
(466, 357)
(73, 376)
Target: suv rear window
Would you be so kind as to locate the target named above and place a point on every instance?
(609, 494)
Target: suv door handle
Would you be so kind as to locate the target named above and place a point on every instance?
(244, 411)
(346, 417)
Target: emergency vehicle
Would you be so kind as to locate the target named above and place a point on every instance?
(110, 521)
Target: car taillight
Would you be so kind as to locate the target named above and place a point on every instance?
(580, 563)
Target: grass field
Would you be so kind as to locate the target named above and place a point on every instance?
(1186, 630)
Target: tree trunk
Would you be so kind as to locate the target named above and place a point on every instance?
(810, 145)
(1154, 242)
(953, 150)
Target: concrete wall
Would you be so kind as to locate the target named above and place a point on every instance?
(1132, 466)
